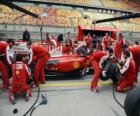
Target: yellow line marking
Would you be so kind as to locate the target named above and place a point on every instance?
(74, 84)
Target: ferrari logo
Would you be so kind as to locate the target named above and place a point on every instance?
(76, 65)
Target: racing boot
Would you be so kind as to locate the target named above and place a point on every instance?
(28, 95)
(12, 99)
(11, 96)
(119, 89)
(94, 89)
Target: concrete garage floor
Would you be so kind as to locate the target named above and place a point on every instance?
(68, 98)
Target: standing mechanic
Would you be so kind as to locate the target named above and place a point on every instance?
(42, 57)
(69, 40)
(128, 73)
(96, 60)
(118, 45)
(106, 39)
(10, 55)
(88, 40)
(48, 39)
(68, 48)
(10, 52)
(48, 42)
(3, 68)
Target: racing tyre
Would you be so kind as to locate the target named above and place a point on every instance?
(82, 51)
(132, 103)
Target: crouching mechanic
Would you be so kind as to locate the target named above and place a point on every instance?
(135, 51)
(96, 60)
(20, 75)
(128, 72)
(42, 57)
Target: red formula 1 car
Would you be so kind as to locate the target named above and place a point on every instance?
(70, 65)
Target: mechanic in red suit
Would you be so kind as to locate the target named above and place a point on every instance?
(135, 51)
(96, 60)
(128, 73)
(69, 40)
(99, 46)
(48, 41)
(88, 40)
(68, 48)
(3, 68)
(118, 45)
(20, 75)
(106, 40)
(42, 57)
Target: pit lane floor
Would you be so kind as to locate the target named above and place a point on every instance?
(68, 97)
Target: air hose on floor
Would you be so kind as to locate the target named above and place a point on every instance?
(114, 96)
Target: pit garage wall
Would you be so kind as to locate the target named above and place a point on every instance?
(15, 31)
(99, 31)
(129, 36)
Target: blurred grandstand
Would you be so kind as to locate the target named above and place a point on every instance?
(62, 18)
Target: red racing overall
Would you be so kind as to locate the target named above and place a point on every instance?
(88, 41)
(135, 50)
(3, 68)
(95, 59)
(128, 75)
(118, 47)
(42, 57)
(20, 74)
(106, 40)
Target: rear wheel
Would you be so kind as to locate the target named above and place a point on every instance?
(82, 51)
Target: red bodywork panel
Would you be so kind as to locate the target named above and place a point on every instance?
(66, 63)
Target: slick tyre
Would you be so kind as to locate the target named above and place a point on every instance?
(132, 103)
(82, 51)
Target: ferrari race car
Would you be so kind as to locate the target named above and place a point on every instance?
(70, 65)
(67, 64)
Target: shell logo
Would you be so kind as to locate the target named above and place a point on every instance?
(76, 65)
